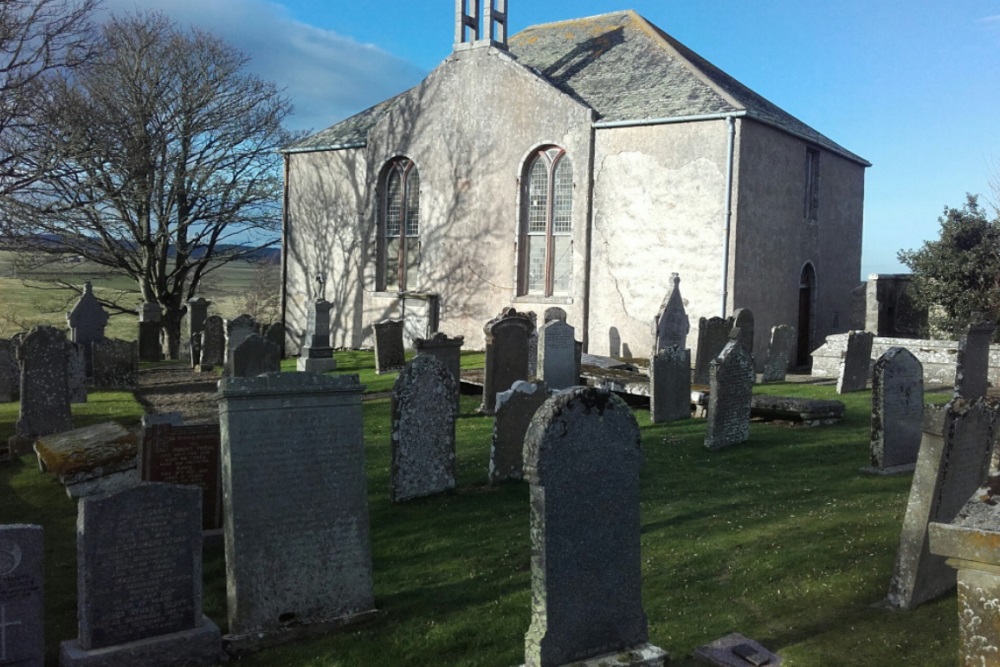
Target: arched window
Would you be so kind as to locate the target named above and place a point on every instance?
(400, 218)
(546, 234)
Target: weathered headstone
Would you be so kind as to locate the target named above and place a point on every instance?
(87, 321)
(742, 319)
(22, 615)
(44, 387)
(515, 408)
(301, 560)
(237, 331)
(256, 355)
(553, 313)
(76, 373)
(116, 363)
(670, 385)
(731, 382)
(275, 332)
(316, 355)
(139, 580)
(779, 353)
(953, 462)
(10, 375)
(213, 342)
(150, 347)
(586, 578)
(897, 411)
(856, 364)
(507, 337)
(671, 326)
(973, 360)
(390, 354)
(532, 344)
(557, 355)
(185, 454)
(197, 314)
(99, 458)
(423, 430)
(449, 352)
(713, 335)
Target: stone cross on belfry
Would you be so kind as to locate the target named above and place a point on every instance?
(4, 624)
(467, 26)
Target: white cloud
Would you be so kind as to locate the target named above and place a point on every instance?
(328, 76)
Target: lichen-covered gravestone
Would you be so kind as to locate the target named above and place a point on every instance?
(423, 430)
(856, 364)
(779, 353)
(973, 360)
(22, 615)
(671, 326)
(730, 392)
(515, 408)
(713, 335)
(116, 363)
(670, 385)
(44, 386)
(390, 354)
(557, 355)
(897, 411)
(449, 352)
(213, 342)
(256, 355)
(582, 460)
(507, 343)
(76, 373)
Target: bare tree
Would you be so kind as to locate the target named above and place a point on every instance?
(165, 165)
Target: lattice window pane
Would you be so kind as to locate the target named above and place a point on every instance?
(392, 263)
(562, 264)
(562, 198)
(393, 203)
(536, 264)
(412, 262)
(538, 197)
(412, 203)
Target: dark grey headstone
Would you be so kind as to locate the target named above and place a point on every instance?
(449, 352)
(515, 408)
(318, 331)
(856, 364)
(150, 347)
(76, 373)
(742, 319)
(671, 326)
(670, 385)
(554, 313)
(213, 341)
(390, 354)
(10, 375)
(713, 335)
(953, 462)
(557, 355)
(897, 409)
(532, 344)
(779, 353)
(275, 332)
(256, 355)
(87, 321)
(44, 384)
(298, 553)
(184, 454)
(507, 343)
(197, 314)
(423, 430)
(116, 363)
(732, 377)
(973, 362)
(237, 331)
(22, 614)
(582, 458)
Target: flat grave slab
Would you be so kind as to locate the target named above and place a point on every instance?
(92, 459)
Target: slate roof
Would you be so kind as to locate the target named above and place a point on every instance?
(625, 69)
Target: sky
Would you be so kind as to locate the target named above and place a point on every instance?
(912, 86)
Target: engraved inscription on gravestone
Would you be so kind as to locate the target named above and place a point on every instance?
(180, 454)
(21, 583)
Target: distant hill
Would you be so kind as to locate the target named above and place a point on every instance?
(269, 255)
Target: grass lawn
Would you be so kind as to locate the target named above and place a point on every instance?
(780, 538)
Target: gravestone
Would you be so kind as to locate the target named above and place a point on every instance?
(76, 373)
(22, 614)
(116, 363)
(390, 354)
(953, 462)
(557, 355)
(670, 385)
(779, 353)
(897, 411)
(533, 345)
(87, 321)
(256, 355)
(671, 326)
(731, 382)
(213, 343)
(421, 315)
(275, 332)
(301, 560)
(176, 453)
(582, 458)
(742, 319)
(515, 408)
(237, 331)
(10, 375)
(139, 581)
(197, 314)
(856, 364)
(44, 387)
(507, 343)
(553, 313)
(713, 335)
(316, 355)
(973, 360)
(449, 352)
(150, 347)
(423, 430)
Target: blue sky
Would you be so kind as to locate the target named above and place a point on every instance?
(912, 86)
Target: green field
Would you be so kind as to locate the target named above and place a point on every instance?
(780, 538)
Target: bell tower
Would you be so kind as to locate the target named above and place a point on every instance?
(468, 29)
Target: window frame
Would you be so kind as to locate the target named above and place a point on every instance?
(409, 179)
(554, 158)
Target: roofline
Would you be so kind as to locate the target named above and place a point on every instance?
(321, 149)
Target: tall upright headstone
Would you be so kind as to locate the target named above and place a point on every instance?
(301, 560)
(197, 314)
(515, 408)
(213, 342)
(742, 319)
(533, 344)
(237, 331)
(139, 580)
(316, 355)
(713, 335)
(732, 377)
(671, 326)
(150, 347)
(586, 566)
(87, 321)
(275, 332)
(76, 372)
(779, 353)
(22, 582)
(116, 363)
(390, 353)
(507, 342)
(897, 411)
(670, 384)
(449, 352)
(256, 355)
(45, 405)
(973, 360)
(557, 355)
(953, 462)
(855, 366)
(423, 430)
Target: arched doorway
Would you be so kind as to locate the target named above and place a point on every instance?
(807, 295)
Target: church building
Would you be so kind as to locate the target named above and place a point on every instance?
(575, 164)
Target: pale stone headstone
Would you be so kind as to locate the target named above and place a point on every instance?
(953, 462)
(449, 352)
(298, 552)
(671, 326)
(554, 313)
(150, 347)
(515, 408)
(779, 353)
(582, 458)
(76, 373)
(897, 410)
(316, 355)
(237, 331)
(742, 319)
(184, 454)
(87, 321)
(507, 343)
(973, 360)
(197, 314)
(275, 332)
(732, 377)
(213, 342)
(139, 580)
(713, 335)
(390, 354)
(557, 355)
(10, 375)
(423, 430)
(855, 366)
(116, 363)
(22, 582)
(421, 315)
(670, 385)
(44, 386)
(256, 355)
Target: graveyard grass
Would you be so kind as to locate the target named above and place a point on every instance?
(780, 538)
